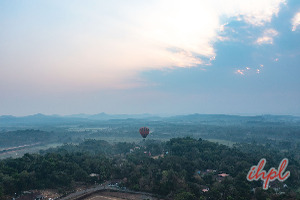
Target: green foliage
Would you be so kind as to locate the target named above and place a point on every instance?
(173, 174)
(185, 196)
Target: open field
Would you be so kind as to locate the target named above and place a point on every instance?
(99, 197)
(108, 195)
(30, 149)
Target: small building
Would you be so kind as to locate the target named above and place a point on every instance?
(205, 190)
(94, 175)
(223, 175)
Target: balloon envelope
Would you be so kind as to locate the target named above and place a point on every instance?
(144, 131)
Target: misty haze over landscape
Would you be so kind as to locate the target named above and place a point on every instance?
(149, 100)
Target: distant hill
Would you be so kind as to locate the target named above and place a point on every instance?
(41, 119)
(105, 116)
(235, 119)
(35, 119)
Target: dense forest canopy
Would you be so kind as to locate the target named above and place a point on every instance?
(172, 162)
(181, 168)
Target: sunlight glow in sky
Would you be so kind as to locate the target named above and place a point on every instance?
(106, 55)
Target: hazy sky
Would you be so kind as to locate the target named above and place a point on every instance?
(154, 56)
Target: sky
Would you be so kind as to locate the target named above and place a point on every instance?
(155, 56)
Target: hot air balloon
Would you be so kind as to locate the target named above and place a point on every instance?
(144, 131)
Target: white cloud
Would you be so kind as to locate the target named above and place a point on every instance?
(240, 71)
(253, 12)
(248, 71)
(271, 32)
(264, 40)
(105, 44)
(267, 37)
(194, 25)
(222, 38)
(296, 21)
(222, 27)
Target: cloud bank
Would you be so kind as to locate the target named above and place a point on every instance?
(104, 45)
